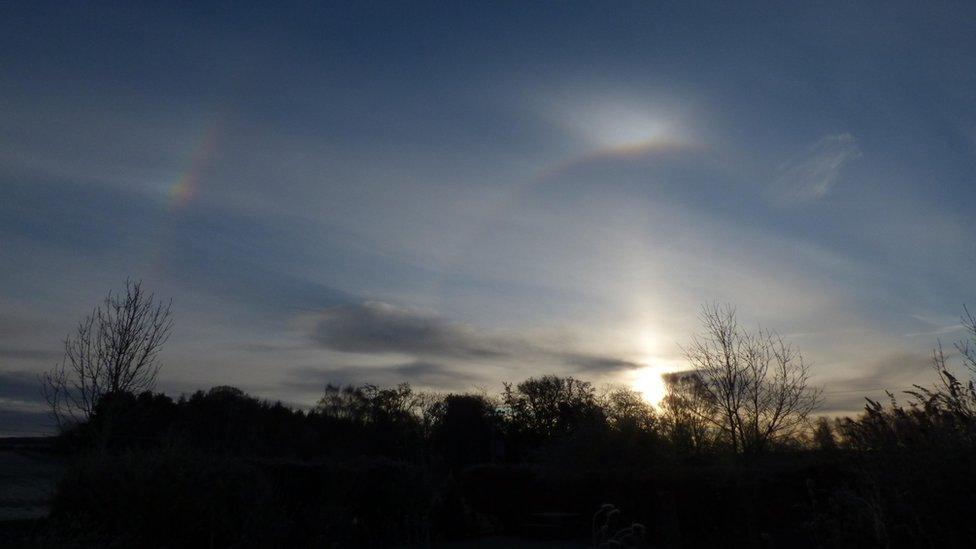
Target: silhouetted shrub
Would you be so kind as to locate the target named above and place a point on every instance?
(915, 462)
(915, 467)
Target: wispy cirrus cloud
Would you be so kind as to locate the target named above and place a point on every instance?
(936, 326)
(895, 372)
(812, 175)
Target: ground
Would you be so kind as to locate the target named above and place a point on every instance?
(29, 471)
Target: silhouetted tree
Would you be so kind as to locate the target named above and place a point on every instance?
(823, 435)
(686, 411)
(626, 410)
(347, 403)
(113, 350)
(967, 347)
(541, 409)
(427, 408)
(368, 403)
(392, 405)
(126, 420)
(757, 384)
(388, 421)
(466, 430)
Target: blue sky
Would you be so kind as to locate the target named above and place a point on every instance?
(460, 194)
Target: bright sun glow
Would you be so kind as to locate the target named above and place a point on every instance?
(650, 383)
(648, 380)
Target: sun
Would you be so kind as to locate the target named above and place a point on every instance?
(649, 382)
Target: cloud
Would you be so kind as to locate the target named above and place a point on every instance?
(937, 325)
(599, 364)
(23, 410)
(15, 326)
(895, 372)
(812, 176)
(20, 386)
(375, 327)
(28, 354)
(418, 372)
(15, 423)
(381, 328)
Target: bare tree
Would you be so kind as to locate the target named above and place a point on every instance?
(687, 411)
(114, 349)
(967, 347)
(757, 385)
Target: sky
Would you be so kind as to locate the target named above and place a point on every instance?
(460, 194)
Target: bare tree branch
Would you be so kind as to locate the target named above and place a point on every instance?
(114, 349)
(757, 385)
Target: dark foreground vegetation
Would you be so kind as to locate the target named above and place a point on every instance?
(381, 467)
(732, 458)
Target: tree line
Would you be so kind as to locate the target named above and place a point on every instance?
(746, 390)
(735, 439)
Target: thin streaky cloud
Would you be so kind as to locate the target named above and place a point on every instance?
(812, 176)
